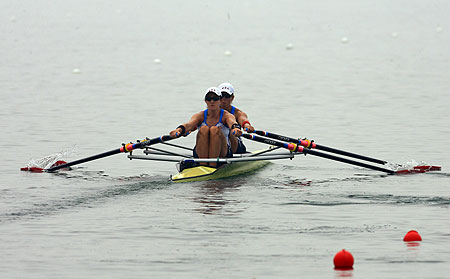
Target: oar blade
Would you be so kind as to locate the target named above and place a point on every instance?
(419, 169)
(38, 169)
(32, 169)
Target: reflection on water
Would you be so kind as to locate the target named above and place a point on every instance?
(212, 197)
(340, 273)
(412, 245)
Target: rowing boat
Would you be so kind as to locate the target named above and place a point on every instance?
(190, 169)
(201, 173)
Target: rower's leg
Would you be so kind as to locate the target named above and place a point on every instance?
(217, 144)
(202, 145)
(234, 143)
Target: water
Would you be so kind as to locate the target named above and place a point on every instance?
(368, 77)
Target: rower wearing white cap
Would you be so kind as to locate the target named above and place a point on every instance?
(227, 91)
(214, 126)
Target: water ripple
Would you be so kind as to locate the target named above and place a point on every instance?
(393, 199)
(84, 199)
(316, 203)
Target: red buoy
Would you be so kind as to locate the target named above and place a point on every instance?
(412, 236)
(343, 260)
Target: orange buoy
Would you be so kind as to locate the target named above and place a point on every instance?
(343, 260)
(412, 236)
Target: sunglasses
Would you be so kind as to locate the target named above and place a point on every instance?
(226, 95)
(209, 98)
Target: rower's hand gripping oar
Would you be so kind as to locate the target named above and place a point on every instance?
(298, 148)
(125, 148)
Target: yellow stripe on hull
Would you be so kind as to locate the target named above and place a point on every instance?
(202, 173)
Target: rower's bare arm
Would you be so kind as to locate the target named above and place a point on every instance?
(242, 119)
(195, 120)
(187, 127)
(231, 122)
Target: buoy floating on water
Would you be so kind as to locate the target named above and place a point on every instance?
(343, 260)
(412, 236)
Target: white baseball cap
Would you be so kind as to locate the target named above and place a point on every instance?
(214, 90)
(226, 87)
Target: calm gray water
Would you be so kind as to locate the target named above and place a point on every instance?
(365, 76)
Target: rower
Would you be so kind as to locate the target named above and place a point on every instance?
(214, 126)
(227, 91)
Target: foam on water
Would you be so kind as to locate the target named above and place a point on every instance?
(47, 161)
(406, 166)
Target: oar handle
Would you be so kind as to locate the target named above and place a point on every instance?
(297, 148)
(125, 148)
(312, 144)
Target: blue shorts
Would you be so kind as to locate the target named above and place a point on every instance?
(229, 152)
(241, 149)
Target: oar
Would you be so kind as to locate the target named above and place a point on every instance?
(125, 148)
(311, 144)
(297, 148)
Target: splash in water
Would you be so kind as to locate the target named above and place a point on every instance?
(49, 160)
(412, 167)
(406, 166)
